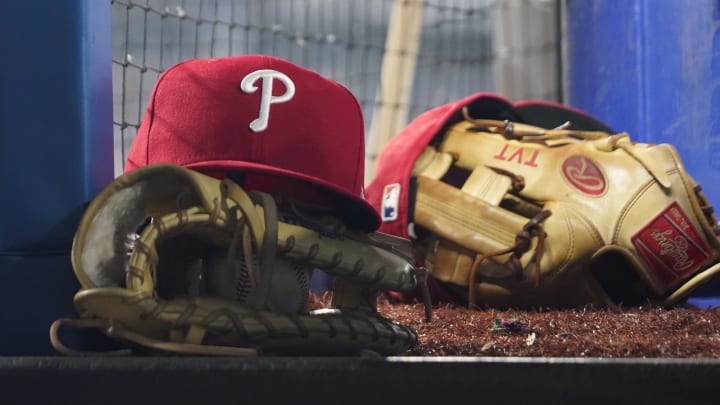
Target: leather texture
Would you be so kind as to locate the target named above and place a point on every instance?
(173, 260)
(519, 215)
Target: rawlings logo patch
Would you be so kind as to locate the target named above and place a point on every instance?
(671, 246)
(584, 175)
(390, 202)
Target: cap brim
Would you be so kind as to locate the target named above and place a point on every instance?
(355, 211)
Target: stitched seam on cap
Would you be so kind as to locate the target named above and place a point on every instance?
(360, 163)
(152, 106)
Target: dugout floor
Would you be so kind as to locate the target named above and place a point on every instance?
(361, 380)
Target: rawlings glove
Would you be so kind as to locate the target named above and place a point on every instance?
(507, 214)
(173, 260)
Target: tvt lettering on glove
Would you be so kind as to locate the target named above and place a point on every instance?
(517, 155)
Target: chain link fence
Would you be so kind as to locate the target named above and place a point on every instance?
(511, 47)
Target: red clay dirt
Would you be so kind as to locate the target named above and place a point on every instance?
(645, 332)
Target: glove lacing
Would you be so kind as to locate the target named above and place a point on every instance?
(522, 244)
(529, 133)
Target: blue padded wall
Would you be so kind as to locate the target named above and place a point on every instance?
(651, 68)
(56, 153)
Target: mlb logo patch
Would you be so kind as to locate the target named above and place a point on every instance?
(390, 202)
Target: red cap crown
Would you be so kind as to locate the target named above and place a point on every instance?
(287, 128)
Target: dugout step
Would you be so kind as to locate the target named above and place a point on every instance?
(356, 380)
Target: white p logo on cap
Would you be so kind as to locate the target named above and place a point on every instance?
(267, 76)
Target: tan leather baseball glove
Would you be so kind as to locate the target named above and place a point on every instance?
(507, 214)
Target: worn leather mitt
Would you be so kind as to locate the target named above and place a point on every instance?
(173, 260)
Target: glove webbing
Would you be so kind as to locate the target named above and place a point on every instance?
(459, 217)
(522, 245)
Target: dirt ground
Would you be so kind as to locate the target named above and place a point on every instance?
(645, 332)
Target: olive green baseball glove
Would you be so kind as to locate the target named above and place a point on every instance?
(173, 260)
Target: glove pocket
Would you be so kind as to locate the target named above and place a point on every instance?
(570, 240)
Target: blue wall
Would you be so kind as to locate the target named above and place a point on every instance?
(651, 68)
(56, 152)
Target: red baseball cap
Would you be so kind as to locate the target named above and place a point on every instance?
(286, 128)
(390, 191)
